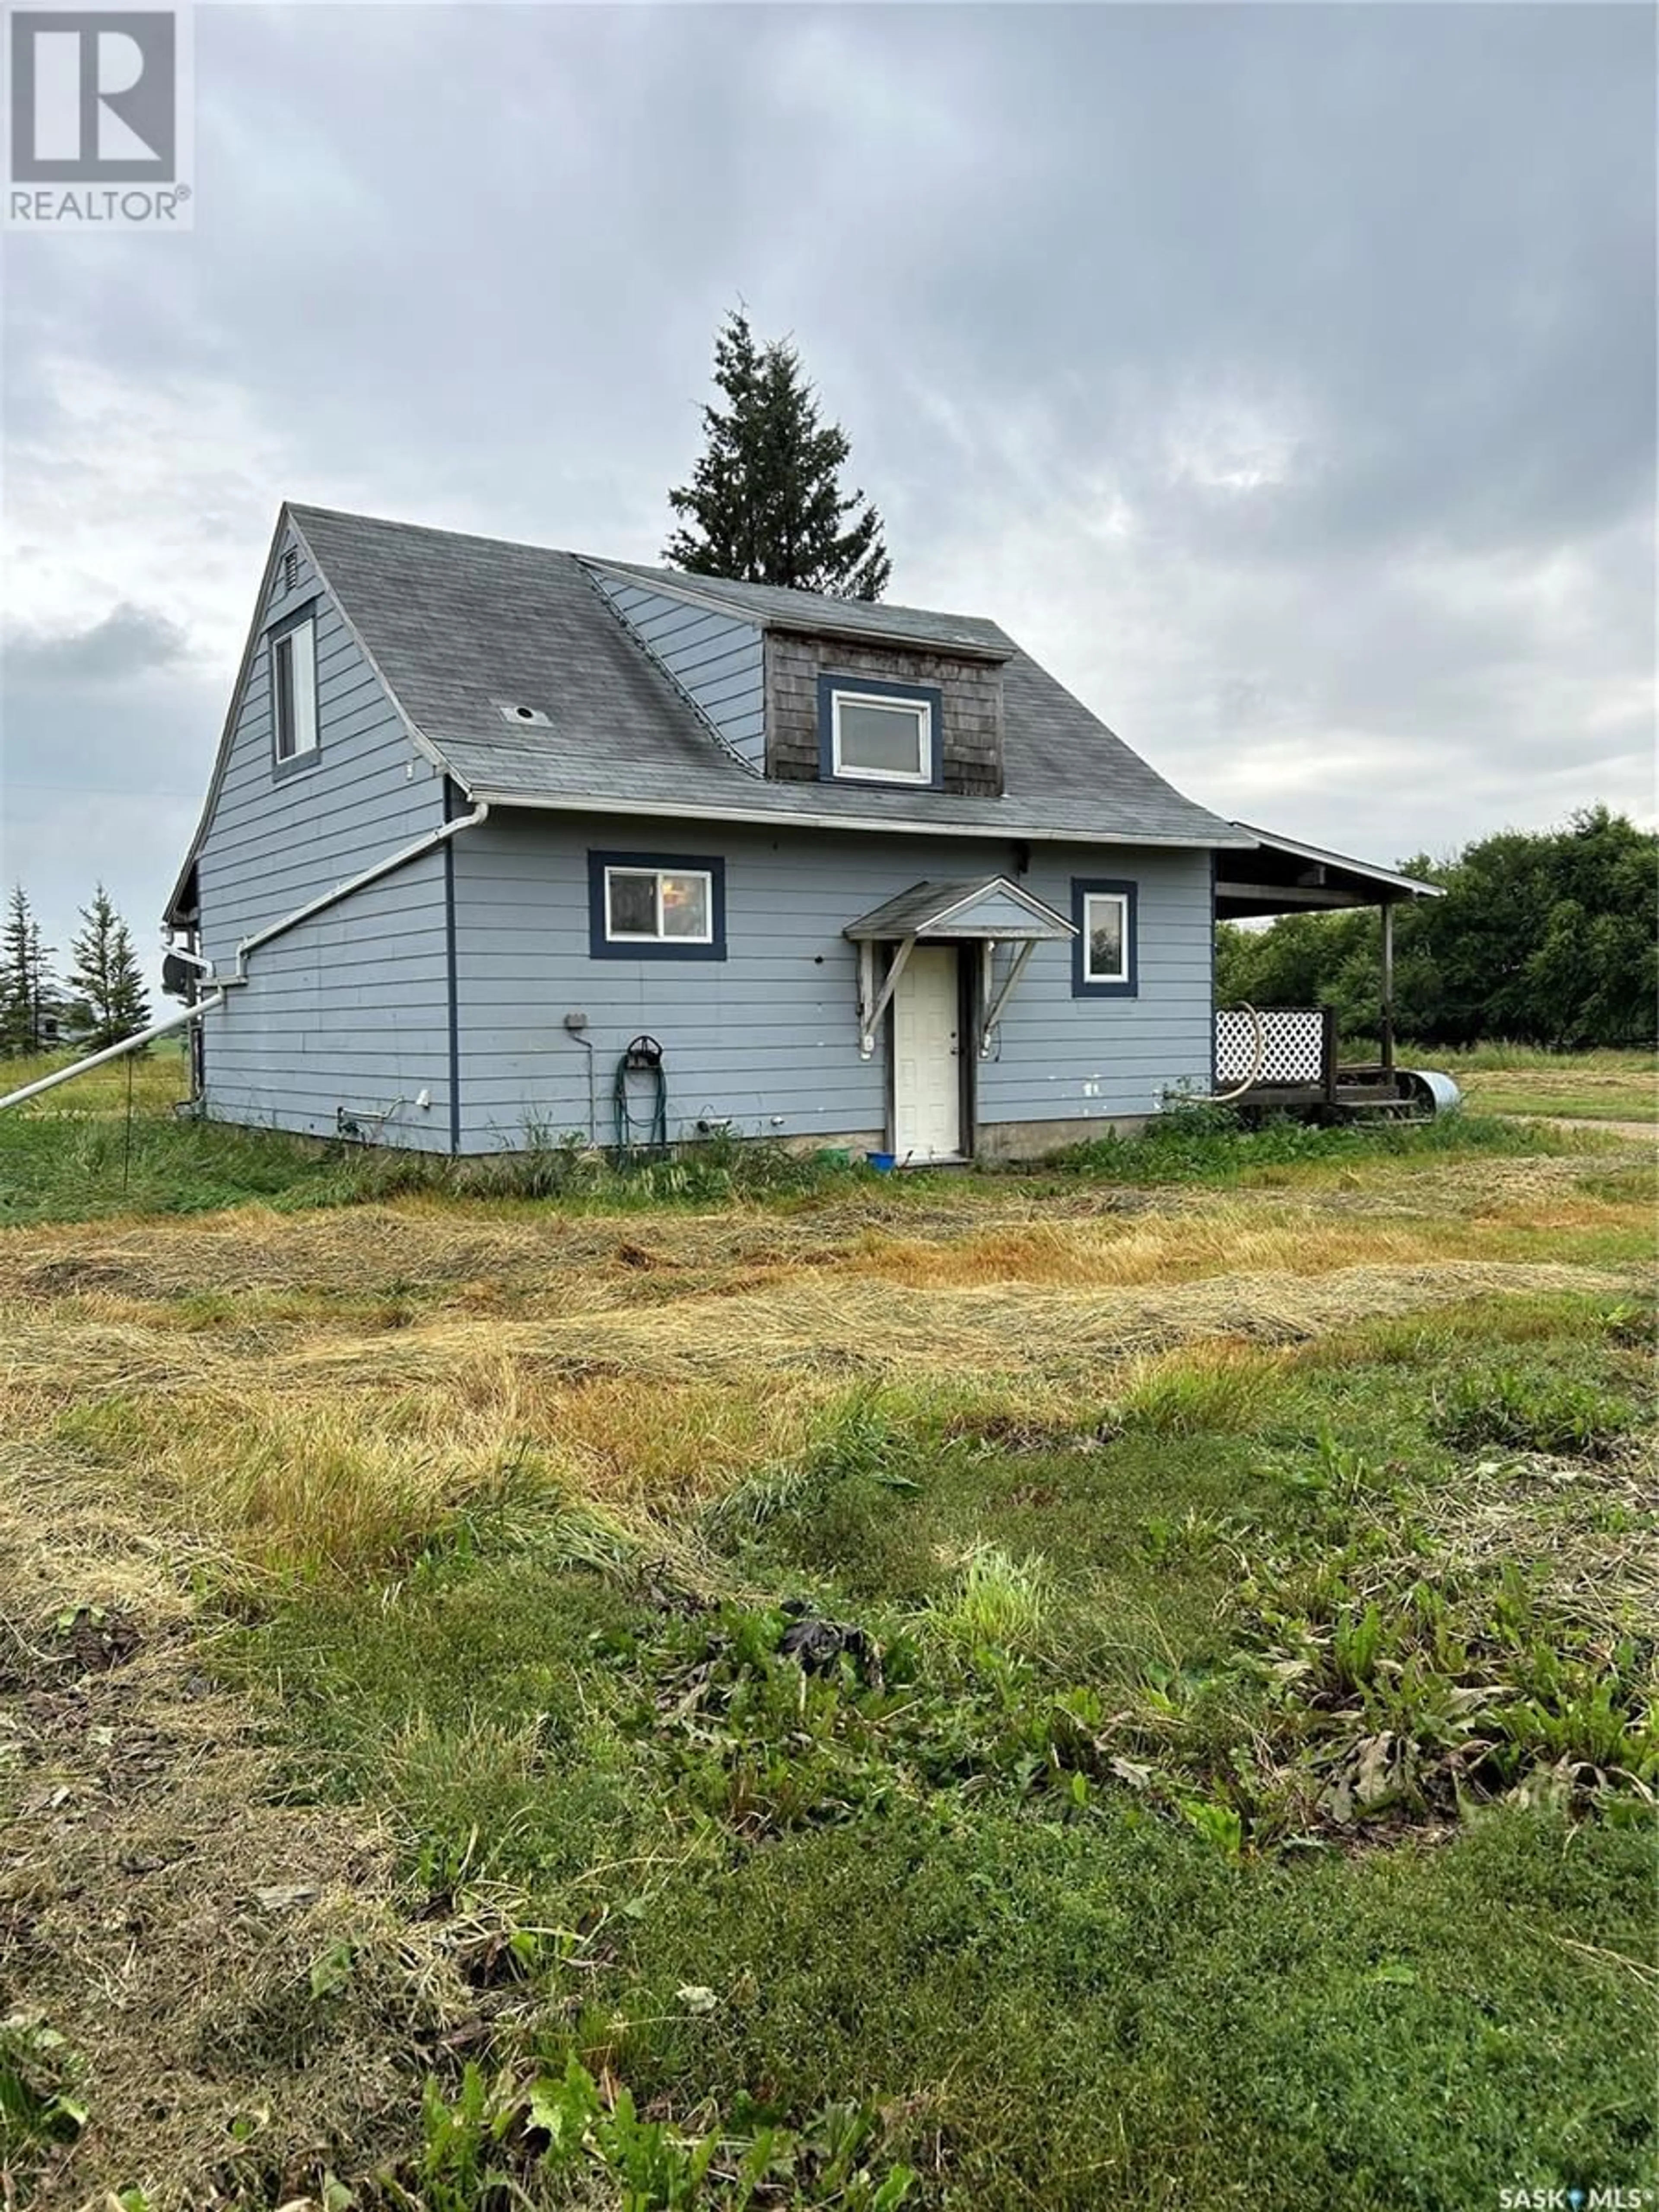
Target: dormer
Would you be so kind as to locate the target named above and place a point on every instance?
(806, 689)
(886, 713)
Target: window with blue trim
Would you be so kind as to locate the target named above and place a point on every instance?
(878, 732)
(656, 906)
(1104, 952)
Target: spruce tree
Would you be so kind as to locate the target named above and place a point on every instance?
(106, 975)
(764, 505)
(25, 977)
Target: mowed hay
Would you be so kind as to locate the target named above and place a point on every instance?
(329, 1390)
(1227, 1240)
(162, 1906)
(507, 1245)
(239, 1980)
(225, 1402)
(854, 1326)
(347, 1454)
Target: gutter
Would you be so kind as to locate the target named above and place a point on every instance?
(776, 820)
(219, 985)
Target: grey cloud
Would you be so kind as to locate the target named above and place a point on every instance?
(1283, 375)
(125, 643)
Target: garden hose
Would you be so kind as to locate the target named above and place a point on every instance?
(642, 1057)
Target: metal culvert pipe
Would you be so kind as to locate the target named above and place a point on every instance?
(1430, 1091)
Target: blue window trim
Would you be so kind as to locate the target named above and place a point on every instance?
(1083, 986)
(921, 695)
(296, 763)
(601, 947)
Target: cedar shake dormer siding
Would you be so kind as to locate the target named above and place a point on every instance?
(970, 710)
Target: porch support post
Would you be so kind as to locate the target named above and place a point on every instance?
(1387, 1025)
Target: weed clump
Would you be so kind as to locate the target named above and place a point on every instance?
(1523, 1409)
(999, 1604)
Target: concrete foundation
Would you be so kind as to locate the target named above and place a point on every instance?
(1029, 1140)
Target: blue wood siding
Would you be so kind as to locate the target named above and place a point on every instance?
(350, 1010)
(716, 660)
(768, 1038)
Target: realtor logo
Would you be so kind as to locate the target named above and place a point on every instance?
(94, 103)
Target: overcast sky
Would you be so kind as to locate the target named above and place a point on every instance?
(1282, 377)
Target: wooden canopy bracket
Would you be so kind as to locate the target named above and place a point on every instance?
(873, 1003)
(994, 1002)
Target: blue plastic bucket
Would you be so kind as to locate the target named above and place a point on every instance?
(881, 1161)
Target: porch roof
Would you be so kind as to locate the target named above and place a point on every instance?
(986, 907)
(1281, 875)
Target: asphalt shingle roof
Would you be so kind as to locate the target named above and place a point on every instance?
(813, 612)
(916, 911)
(457, 623)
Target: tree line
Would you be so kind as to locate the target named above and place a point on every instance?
(1542, 938)
(100, 1001)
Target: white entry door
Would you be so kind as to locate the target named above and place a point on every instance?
(927, 1068)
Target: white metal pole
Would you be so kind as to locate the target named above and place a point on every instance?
(114, 1051)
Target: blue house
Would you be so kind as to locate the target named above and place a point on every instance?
(501, 840)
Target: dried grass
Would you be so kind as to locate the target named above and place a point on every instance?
(342, 1454)
(146, 1813)
(1226, 1240)
(148, 1822)
(234, 1395)
(853, 1326)
(1586, 1532)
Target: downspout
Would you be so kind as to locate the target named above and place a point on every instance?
(220, 984)
(401, 859)
(451, 964)
(114, 1051)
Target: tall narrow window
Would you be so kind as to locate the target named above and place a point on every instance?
(294, 689)
(1105, 953)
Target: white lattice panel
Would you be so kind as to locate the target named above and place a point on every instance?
(1293, 1045)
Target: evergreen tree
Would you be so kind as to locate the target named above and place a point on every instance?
(106, 974)
(14, 973)
(764, 505)
(26, 981)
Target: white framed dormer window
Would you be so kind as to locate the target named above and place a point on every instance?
(294, 692)
(872, 733)
(647, 907)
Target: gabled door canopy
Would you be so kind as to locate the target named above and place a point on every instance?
(991, 910)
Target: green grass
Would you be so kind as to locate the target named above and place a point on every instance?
(1205, 1146)
(154, 1078)
(1247, 1804)
(59, 1164)
(1497, 1053)
(1506, 1079)
(76, 1153)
